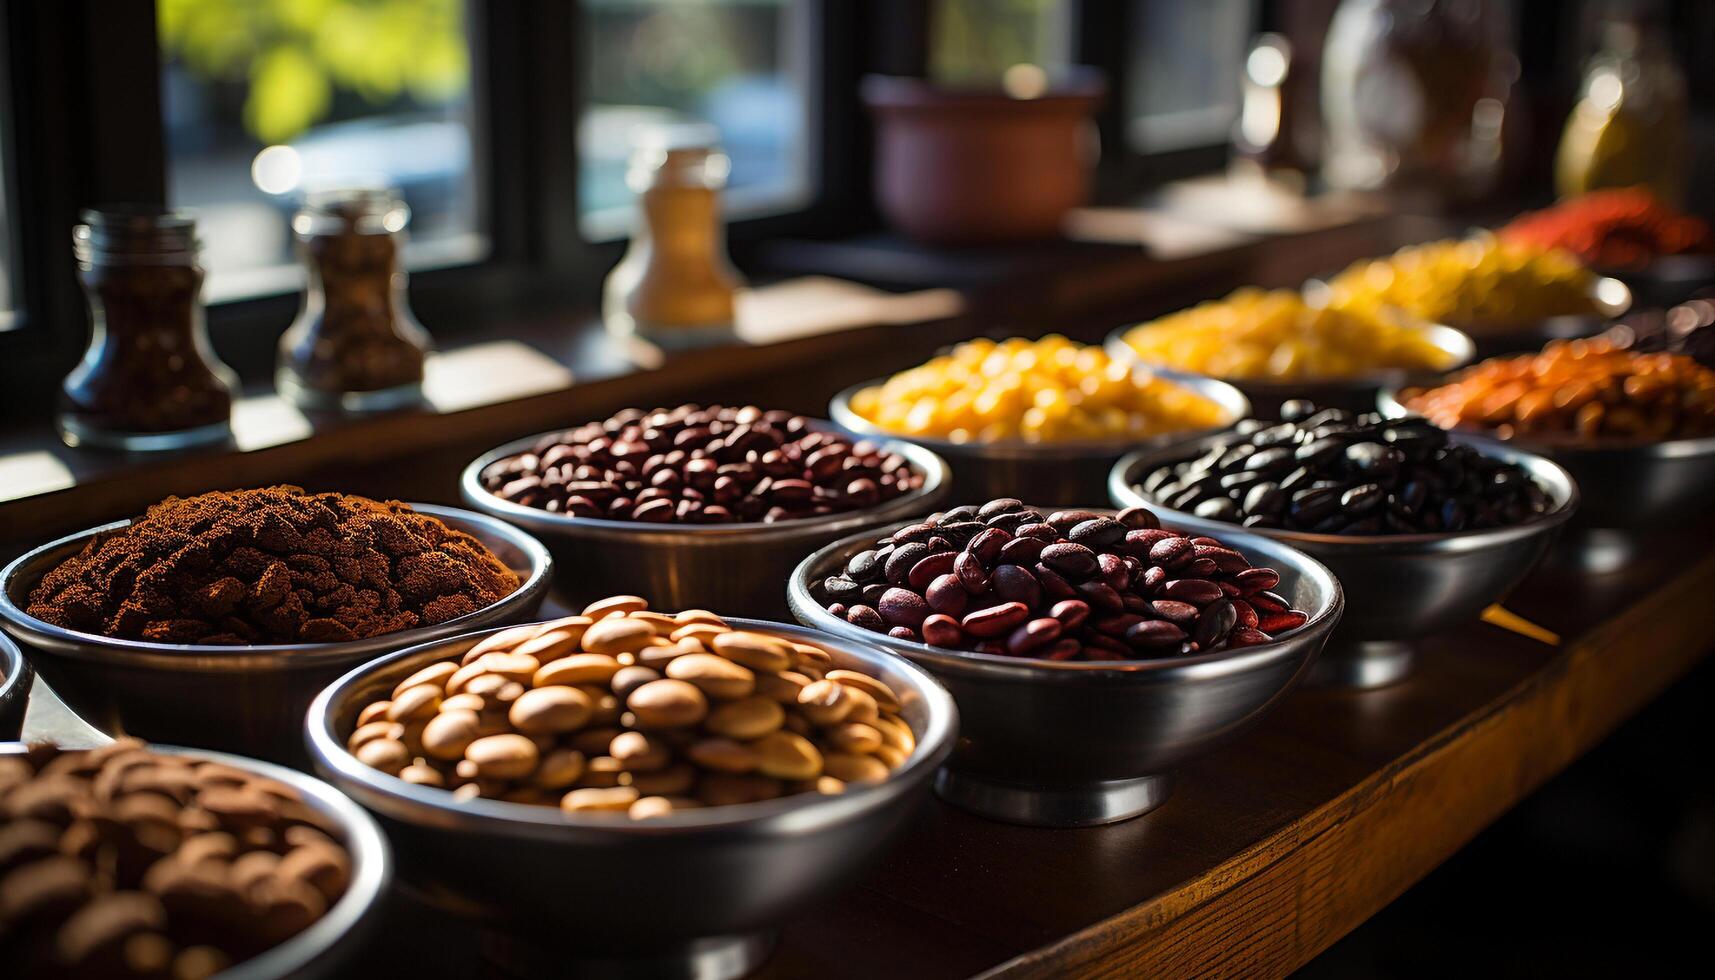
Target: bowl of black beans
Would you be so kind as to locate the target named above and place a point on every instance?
(695, 505)
(1091, 652)
(1424, 530)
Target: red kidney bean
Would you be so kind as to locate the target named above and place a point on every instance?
(1225, 559)
(1214, 624)
(902, 607)
(1097, 533)
(1139, 542)
(1167, 551)
(1064, 650)
(905, 633)
(866, 617)
(1074, 561)
(1196, 568)
(1246, 636)
(1101, 596)
(1152, 579)
(1276, 623)
(1041, 532)
(1154, 634)
(1022, 551)
(987, 545)
(995, 620)
(1134, 603)
(929, 569)
(1030, 636)
(1053, 583)
(1196, 591)
(972, 576)
(914, 533)
(904, 558)
(1138, 518)
(1115, 625)
(1267, 602)
(1114, 571)
(1071, 613)
(1014, 584)
(941, 630)
(1173, 611)
(1254, 580)
(1247, 613)
(947, 595)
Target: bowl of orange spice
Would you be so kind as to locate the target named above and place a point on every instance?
(1636, 430)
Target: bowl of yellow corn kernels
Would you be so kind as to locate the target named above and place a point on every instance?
(1509, 296)
(1276, 345)
(1036, 419)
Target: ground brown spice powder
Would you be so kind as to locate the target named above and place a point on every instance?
(277, 565)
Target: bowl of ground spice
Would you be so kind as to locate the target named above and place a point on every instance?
(213, 620)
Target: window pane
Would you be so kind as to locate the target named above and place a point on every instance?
(1185, 71)
(738, 64)
(263, 99)
(976, 41)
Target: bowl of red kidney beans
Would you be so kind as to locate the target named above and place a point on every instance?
(1423, 528)
(1091, 652)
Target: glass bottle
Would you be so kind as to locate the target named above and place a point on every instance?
(355, 347)
(675, 287)
(149, 380)
(1628, 127)
(1413, 95)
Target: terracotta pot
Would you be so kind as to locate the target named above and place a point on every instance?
(962, 167)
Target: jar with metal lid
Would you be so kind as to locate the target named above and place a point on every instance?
(355, 346)
(149, 380)
(675, 287)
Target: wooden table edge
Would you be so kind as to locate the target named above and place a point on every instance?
(1272, 907)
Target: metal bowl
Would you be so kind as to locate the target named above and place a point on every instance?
(1072, 744)
(682, 566)
(1054, 473)
(1626, 485)
(16, 680)
(244, 699)
(324, 948)
(1612, 299)
(1355, 393)
(1398, 586)
(697, 893)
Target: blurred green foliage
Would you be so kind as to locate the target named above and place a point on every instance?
(295, 54)
(976, 41)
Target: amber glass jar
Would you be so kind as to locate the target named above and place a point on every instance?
(355, 346)
(149, 380)
(675, 287)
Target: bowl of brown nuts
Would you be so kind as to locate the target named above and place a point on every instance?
(652, 791)
(139, 861)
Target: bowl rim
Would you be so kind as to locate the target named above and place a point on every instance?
(800, 815)
(1451, 340)
(1222, 393)
(77, 643)
(937, 476)
(13, 666)
(1388, 403)
(1561, 485)
(371, 858)
(1219, 663)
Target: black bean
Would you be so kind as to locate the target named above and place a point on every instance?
(904, 557)
(1362, 499)
(1218, 509)
(1098, 533)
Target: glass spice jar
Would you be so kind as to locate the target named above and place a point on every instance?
(355, 346)
(675, 287)
(148, 380)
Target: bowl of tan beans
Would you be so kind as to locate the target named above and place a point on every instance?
(631, 785)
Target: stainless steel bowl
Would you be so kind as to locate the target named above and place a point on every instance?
(323, 949)
(1058, 473)
(695, 894)
(1612, 299)
(1398, 586)
(1071, 744)
(16, 679)
(1627, 487)
(732, 567)
(1354, 394)
(244, 699)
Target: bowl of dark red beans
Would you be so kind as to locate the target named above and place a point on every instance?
(696, 505)
(1091, 652)
(1423, 529)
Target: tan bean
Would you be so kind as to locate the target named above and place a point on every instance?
(864, 709)
(703, 633)
(826, 702)
(875, 687)
(689, 616)
(754, 650)
(550, 710)
(415, 703)
(746, 718)
(783, 687)
(619, 605)
(594, 741)
(464, 702)
(725, 789)
(812, 654)
(668, 704)
(386, 754)
(617, 635)
(647, 807)
(373, 712)
(638, 752)
(604, 770)
(852, 768)
(420, 774)
(449, 733)
(631, 678)
(854, 737)
(724, 755)
(785, 755)
(512, 666)
(829, 786)
(578, 668)
(437, 674)
(716, 677)
(504, 640)
(893, 757)
(555, 643)
(502, 756)
(616, 799)
(896, 733)
(558, 769)
(605, 709)
(674, 780)
(660, 622)
(658, 657)
(373, 731)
